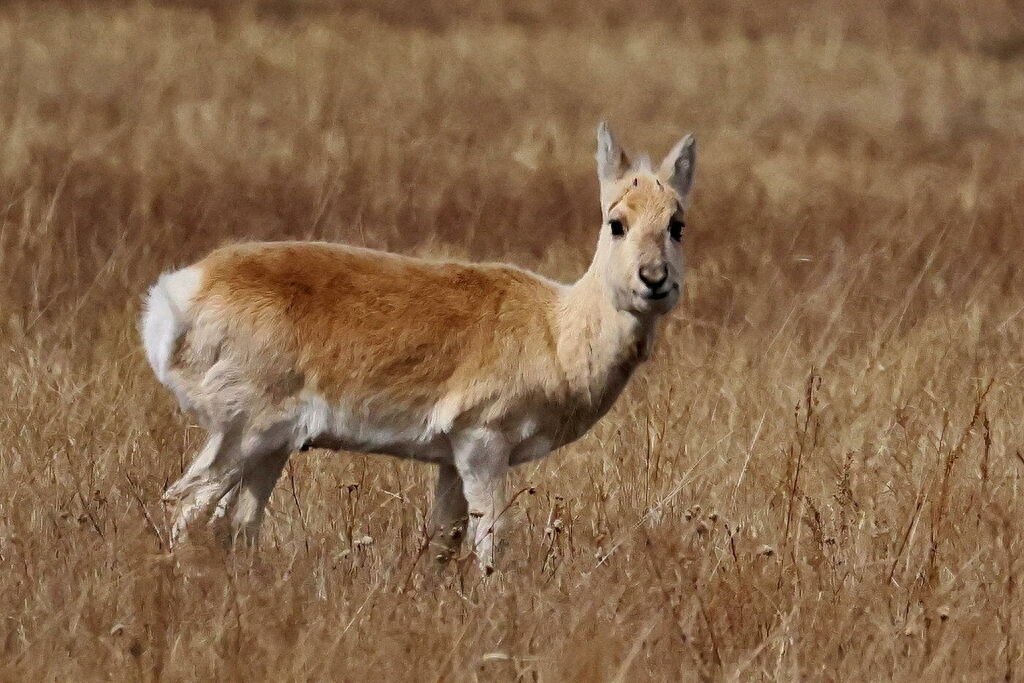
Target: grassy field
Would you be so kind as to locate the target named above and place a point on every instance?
(819, 475)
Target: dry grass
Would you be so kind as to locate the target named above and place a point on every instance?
(818, 476)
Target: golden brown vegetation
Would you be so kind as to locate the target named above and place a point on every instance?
(817, 476)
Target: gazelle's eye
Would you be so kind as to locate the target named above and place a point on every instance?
(675, 229)
(618, 229)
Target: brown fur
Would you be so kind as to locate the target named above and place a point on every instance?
(354, 322)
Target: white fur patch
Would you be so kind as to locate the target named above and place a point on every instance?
(339, 426)
(164, 320)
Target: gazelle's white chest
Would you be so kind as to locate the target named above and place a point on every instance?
(555, 425)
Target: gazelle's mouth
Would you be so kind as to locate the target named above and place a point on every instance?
(658, 295)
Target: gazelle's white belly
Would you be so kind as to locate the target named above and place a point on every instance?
(320, 424)
(531, 430)
(415, 435)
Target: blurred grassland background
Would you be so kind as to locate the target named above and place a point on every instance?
(817, 476)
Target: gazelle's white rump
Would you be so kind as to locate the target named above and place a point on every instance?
(281, 346)
(165, 318)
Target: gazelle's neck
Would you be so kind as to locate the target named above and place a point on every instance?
(598, 345)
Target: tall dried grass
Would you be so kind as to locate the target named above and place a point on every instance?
(817, 476)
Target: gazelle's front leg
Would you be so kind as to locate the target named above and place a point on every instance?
(449, 513)
(481, 458)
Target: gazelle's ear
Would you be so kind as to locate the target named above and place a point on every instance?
(612, 162)
(678, 167)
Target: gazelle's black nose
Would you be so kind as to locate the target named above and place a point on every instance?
(654, 275)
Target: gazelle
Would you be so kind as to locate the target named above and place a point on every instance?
(284, 346)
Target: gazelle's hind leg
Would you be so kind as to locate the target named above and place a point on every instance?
(246, 501)
(210, 476)
(235, 471)
(196, 471)
(217, 523)
(449, 513)
(253, 492)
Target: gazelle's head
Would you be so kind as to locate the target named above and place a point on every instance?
(640, 252)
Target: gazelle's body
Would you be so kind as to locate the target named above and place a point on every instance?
(278, 347)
